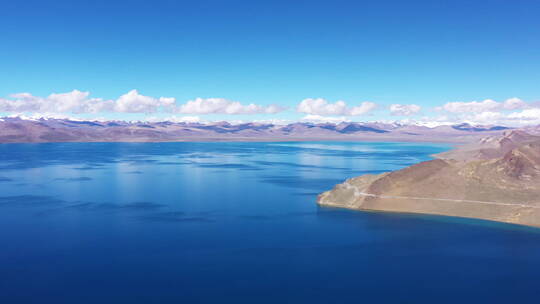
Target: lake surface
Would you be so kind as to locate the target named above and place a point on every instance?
(238, 223)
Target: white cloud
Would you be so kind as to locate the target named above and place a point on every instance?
(362, 109)
(273, 121)
(488, 105)
(514, 103)
(425, 122)
(174, 119)
(274, 109)
(133, 102)
(38, 116)
(525, 117)
(321, 107)
(485, 118)
(79, 102)
(511, 112)
(319, 118)
(74, 101)
(431, 121)
(404, 110)
(516, 119)
(225, 106)
(530, 116)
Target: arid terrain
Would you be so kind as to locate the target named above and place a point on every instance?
(17, 130)
(496, 178)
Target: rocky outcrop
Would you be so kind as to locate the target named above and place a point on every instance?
(497, 180)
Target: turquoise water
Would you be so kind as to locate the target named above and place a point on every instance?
(237, 223)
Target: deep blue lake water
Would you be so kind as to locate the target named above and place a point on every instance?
(238, 223)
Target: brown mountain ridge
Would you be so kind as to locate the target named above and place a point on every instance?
(496, 179)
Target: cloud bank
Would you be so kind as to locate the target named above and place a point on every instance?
(404, 110)
(78, 102)
(510, 112)
(224, 106)
(324, 119)
(320, 106)
(488, 105)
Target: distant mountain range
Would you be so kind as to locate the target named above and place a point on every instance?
(14, 129)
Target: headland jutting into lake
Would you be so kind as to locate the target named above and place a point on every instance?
(496, 178)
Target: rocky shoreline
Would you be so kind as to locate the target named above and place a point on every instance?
(496, 178)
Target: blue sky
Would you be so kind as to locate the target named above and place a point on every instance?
(427, 53)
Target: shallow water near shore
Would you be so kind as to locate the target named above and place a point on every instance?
(238, 223)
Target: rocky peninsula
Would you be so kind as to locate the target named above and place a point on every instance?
(496, 178)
